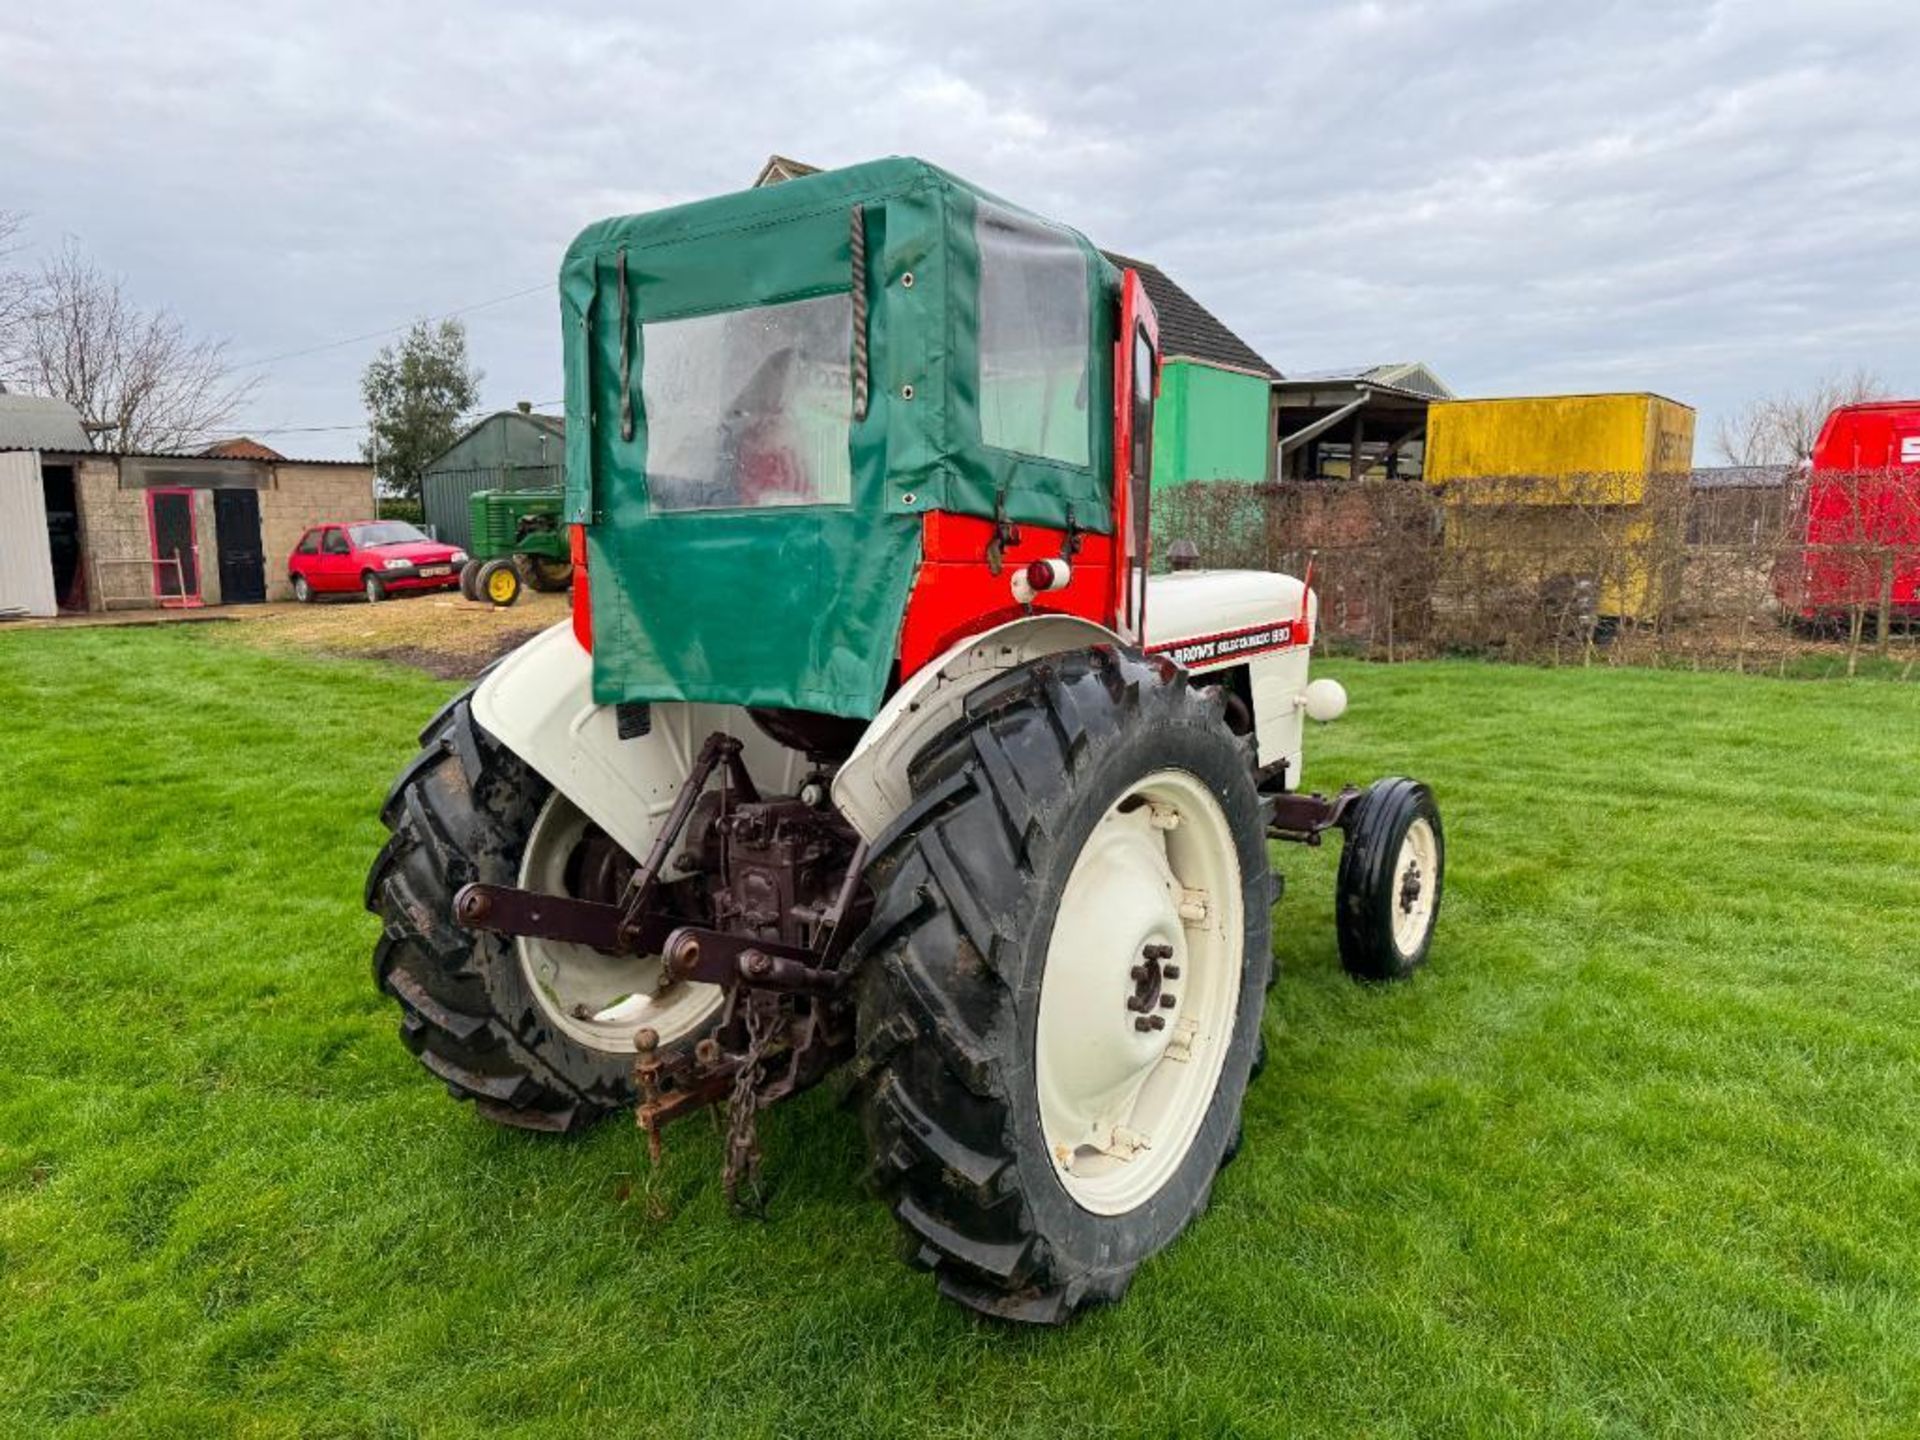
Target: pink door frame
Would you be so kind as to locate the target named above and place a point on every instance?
(193, 542)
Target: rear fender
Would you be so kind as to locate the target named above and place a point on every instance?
(538, 702)
(871, 787)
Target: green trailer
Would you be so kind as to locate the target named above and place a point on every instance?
(517, 535)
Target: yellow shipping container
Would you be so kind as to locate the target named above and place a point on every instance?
(1549, 491)
(1557, 449)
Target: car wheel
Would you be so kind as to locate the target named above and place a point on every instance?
(303, 589)
(375, 587)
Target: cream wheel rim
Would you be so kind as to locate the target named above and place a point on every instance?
(598, 1000)
(1416, 877)
(1140, 993)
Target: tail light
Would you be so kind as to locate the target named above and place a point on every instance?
(582, 602)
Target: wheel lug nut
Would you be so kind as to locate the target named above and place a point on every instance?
(1167, 1002)
(1157, 1022)
(1143, 1023)
(1172, 972)
(1139, 974)
(1136, 1002)
(1158, 952)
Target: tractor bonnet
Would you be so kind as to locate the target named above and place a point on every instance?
(752, 462)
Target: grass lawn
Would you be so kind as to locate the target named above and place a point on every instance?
(1639, 1153)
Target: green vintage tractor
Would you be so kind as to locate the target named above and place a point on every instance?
(871, 744)
(516, 534)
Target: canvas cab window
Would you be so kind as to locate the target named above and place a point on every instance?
(750, 408)
(1034, 338)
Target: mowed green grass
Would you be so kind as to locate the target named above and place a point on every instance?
(1639, 1152)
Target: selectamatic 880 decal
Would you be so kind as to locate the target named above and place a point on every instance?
(1229, 645)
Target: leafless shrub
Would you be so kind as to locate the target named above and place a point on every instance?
(1777, 571)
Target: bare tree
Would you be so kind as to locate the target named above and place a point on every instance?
(136, 374)
(14, 288)
(1780, 429)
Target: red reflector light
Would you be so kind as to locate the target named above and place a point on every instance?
(582, 601)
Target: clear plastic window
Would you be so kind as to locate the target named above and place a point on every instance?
(750, 408)
(1034, 337)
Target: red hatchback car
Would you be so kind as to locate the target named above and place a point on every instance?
(378, 558)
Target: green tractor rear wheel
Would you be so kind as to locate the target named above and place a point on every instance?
(548, 575)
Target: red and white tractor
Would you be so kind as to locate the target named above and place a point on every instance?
(872, 743)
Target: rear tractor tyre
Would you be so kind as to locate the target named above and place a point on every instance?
(1062, 982)
(1387, 896)
(538, 1035)
(547, 575)
(498, 582)
(469, 574)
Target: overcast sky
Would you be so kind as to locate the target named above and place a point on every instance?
(1710, 200)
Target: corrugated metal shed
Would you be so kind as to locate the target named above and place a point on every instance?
(37, 422)
(508, 450)
(26, 560)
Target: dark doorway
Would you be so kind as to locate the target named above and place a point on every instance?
(243, 561)
(172, 516)
(63, 535)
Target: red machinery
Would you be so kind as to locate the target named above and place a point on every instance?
(1858, 517)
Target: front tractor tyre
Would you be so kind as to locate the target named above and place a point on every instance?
(1062, 982)
(537, 1034)
(1387, 895)
(498, 582)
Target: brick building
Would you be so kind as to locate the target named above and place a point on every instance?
(83, 529)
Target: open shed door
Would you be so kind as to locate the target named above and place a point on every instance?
(26, 558)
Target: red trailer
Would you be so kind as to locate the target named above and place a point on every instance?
(1857, 540)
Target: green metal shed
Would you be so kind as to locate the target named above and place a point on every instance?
(1213, 420)
(508, 450)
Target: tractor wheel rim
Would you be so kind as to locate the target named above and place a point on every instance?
(1416, 872)
(597, 1000)
(500, 587)
(1141, 992)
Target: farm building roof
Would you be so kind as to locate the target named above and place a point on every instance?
(1404, 377)
(1742, 477)
(88, 451)
(37, 422)
(241, 447)
(1188, 330)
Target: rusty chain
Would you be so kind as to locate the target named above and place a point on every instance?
(742, 1164)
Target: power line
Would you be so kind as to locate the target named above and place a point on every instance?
(362, 424)
(390, 330)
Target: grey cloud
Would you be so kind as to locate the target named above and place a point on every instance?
(1709, 199)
